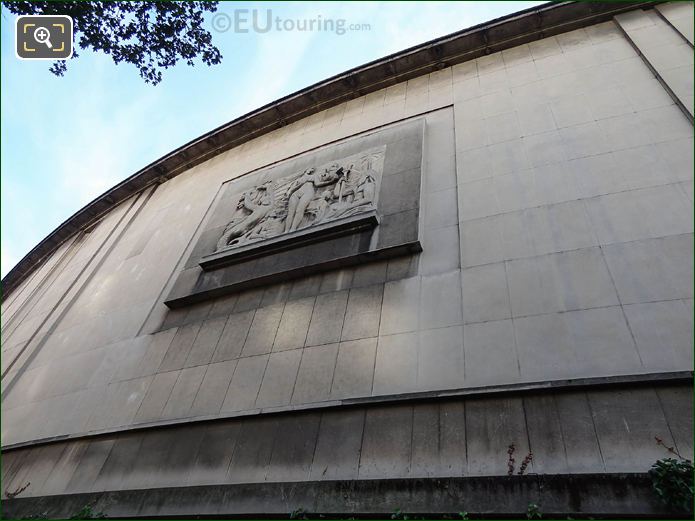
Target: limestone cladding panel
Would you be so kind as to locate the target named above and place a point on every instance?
(557, 235)
(567, 432)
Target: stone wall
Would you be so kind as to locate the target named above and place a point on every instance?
(557, 245)
(575, 432)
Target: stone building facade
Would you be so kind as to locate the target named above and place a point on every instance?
(355, 300)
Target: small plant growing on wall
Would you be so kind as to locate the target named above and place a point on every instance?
(533, 511)
(17, 491)
(672, 479)
(87, 513)
(511, 462)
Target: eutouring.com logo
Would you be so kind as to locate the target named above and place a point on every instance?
(263, 21)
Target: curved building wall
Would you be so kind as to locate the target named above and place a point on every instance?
(551, 306)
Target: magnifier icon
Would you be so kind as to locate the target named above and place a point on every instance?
(42, 35)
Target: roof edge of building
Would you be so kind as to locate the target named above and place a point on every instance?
(490, 37)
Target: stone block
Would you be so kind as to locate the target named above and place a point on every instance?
(535, 119)
(399, 312)
(551, 184)
(336, 280)
(276, 294)
(492, 424)
(663, 332)
(62, 472)
(440, 300)
(452, 439)
(293, 450)
(245, 384)
(233, 336)
(294, 324)
(327, 318)
(404, 190)
(502, 127)
(679, 15)
(600, 175)
(180, 346)
(560, 282)
(278, 379)
(652, 270)
(315, 374)
(544, 148)
(305, 287)
(626, 422)
(396, 364)
(206, 342)
(440, 363)
(90, 464)
(477, 199)
(424, 457)
(571, 110)
(677, 404)
(545, 436)
(214, 454)
(184, 392)
(678, 154)
(386, 442)
(490, 353)
(583, 453)
(545, 348)
(611, 102)
(363, 313)
(213, 388)
(249, 299)
(156, 398)
(354, 369)
(253, 450)
(508, 157)
(558, 227)
(223, 306)
(485, 293)
(263, 330)
(119, 404)
(626, 131)
(338, 447)
(640, 214)
(120, 461)
(603, 342)
(369, 273)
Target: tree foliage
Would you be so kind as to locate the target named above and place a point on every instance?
(672, 481)
(150, 35)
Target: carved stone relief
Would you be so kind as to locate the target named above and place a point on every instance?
(328, 192)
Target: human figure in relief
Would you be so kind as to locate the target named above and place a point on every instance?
(258, 204)
(267, 228)
(353, 191)
(320, 207)
(302, 192)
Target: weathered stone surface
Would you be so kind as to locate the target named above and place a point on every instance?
(588, 494)
(327, 318)
(550, 186)
(258, 223)
(294, 324)
(354, 369)
(315, 374)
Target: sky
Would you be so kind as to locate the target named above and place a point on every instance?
(67, 140)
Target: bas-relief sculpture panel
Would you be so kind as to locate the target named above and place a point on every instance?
(349, 202)
(317, 195)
